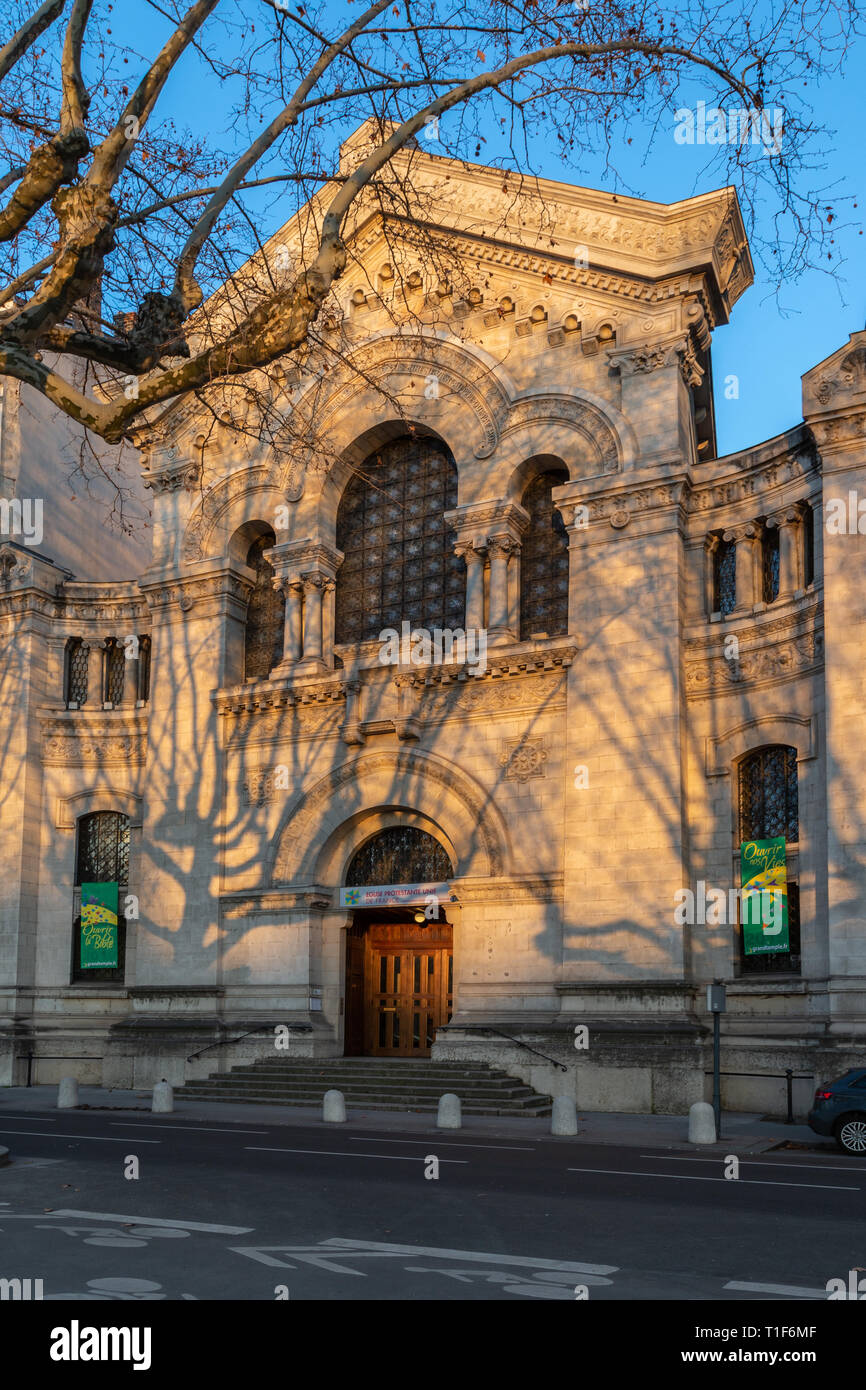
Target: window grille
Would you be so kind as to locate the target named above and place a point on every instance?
(76, 672)
(102, 856)
(266, 614)
(400, 854)
(144, 668)
(768, 795)
(768, 808)
(115, 671)
(770, 563)
(725, 577)
(399, 564)
(544, 560)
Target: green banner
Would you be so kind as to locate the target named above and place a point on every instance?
(764, 896)
(98, 926)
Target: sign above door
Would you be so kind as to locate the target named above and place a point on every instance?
(396, 895)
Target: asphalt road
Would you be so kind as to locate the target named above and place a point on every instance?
(310, 1212)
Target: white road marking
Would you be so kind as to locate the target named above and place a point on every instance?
(785, 1290)
(771, 1163)
(512, 1148)
(158, 1221)
(34, 1119)
(323, 1256)
(90, 1138)
(482, 1257)
(195, 1129)
(731, 1182)
(346, 1153)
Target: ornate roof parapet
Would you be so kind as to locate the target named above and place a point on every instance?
(834, 398)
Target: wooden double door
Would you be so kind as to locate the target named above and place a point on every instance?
(399, 987)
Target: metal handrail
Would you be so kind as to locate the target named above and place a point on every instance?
(224, 1042)
(789, 1076)
(479, 1028)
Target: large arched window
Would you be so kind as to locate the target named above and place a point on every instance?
(399, 564)
(266, 613)
(101, 856)
(400, 854)
(768, 808)
(544, 560)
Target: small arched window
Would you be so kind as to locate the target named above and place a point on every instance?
(400, 854)
(266, 613)
(724, 577)
(544, 560)
(76, 672)
(399, 564)
(768, 794)
(101, 856)
(115, 671)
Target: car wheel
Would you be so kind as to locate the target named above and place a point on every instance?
(851, 1134)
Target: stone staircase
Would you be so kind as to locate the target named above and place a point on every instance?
(371, 1083)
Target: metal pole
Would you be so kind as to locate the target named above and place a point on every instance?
(717, 1091)
(29, 1067)
(789, 1083)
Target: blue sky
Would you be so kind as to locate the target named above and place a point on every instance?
(774, 337)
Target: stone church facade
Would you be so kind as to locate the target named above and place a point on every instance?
(674, 647)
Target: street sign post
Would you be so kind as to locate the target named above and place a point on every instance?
(716, 1001)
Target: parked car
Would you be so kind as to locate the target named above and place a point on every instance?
(839, 1108)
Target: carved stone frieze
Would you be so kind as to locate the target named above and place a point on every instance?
(772, 660)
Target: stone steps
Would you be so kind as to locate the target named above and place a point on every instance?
(371, 1084)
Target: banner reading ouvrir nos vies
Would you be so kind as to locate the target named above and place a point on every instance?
(764, 896)
(98, 926)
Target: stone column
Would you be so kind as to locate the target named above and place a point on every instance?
(788, 520)
(316, 588)
(744, 538)
(499, 548)
(514, 590)
(474, 557)
(95, 673)
(293, 590)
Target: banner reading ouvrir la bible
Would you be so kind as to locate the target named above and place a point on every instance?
(98, 926)
(764, 896)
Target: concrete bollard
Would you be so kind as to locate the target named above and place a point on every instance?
(67, 1093)
(334, 1108)
(563, 1120)
(163, 1099)
(702, 1123)
(448, 1115)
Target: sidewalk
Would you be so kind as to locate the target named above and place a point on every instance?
(742, 1133)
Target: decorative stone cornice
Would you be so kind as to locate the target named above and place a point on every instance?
(187, 592)
(769, 651)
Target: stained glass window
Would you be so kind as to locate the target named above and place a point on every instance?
(544, 560)
(399, 564)
(725, 577)
(266, 613)
(400, 854)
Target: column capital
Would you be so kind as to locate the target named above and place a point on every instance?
(502, 545)
(745, 531)
(784, 516)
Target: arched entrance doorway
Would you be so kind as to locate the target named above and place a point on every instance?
(399, 969)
